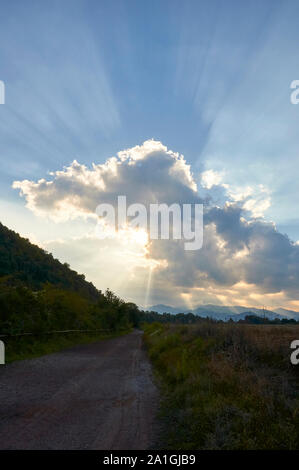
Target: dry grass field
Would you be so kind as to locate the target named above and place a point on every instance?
(226, 385)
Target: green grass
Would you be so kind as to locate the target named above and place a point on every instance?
(225, 386)
(28, 347)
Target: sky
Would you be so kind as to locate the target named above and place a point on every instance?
(165, 101)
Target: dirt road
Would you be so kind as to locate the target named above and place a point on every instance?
(96, 396)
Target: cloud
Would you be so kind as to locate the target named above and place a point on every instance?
(146, 174)
(210, 178)
(255, 199)
(239, 248)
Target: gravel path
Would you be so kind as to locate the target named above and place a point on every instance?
(96, 396)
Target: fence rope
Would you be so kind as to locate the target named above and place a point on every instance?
(55, 331)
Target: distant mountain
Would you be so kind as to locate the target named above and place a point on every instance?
(226, 313)
(233, 312)
(288, 313)
(160, 308)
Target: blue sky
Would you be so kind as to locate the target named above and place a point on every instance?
(209, 79)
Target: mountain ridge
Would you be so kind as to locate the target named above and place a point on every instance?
(22, 262)
(221, 312)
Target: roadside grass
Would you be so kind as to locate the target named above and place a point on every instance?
(28, 347)
(225, 386)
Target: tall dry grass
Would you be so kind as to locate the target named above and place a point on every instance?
(226, 385)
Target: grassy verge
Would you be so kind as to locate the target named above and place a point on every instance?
(226, 386)
(28, 347)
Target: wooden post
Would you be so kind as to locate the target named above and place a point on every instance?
(2, 353)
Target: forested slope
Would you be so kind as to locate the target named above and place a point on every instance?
(39, 294)
(21, 262)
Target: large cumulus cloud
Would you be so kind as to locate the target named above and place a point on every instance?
(240, 248)
(234, 250)
(144, 174)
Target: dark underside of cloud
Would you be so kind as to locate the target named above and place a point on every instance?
(236, 246)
